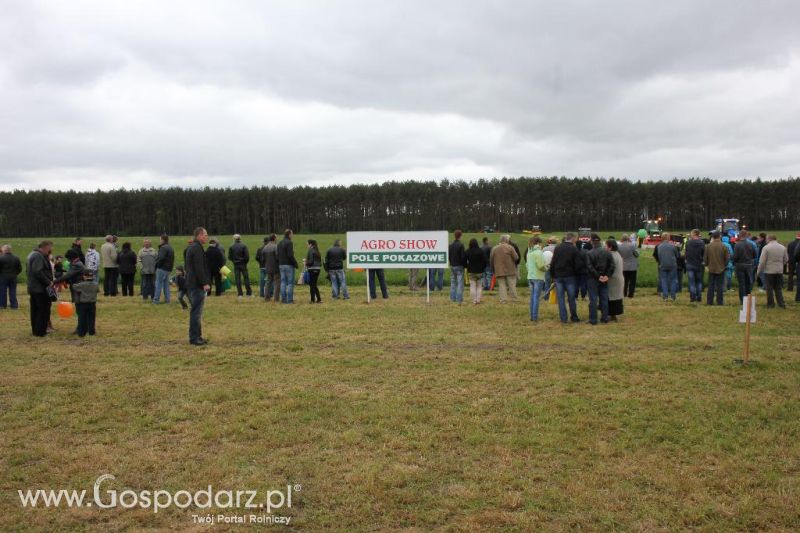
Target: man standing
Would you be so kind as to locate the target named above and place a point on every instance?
(287, 265)
(695, 267)
(458, 260)
(536, 267)
(165, 261)
(198, 282)
(334, 266)
(77, 247)
(147, 269)
(262, 269)
(216, 260)
(10, 268)
(239, 255)
(716, 260)
(269, 255)
(563, 269)
(487, 272)
(40, 278)
(630, 265)
(773, 260)
(108, 255)
(744, 255)
(503, 259)
(668, 256)
(791, 250)
(599, 269)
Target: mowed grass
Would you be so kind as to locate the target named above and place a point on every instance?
(402, 416)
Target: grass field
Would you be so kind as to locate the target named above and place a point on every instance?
(646, 277)
(402, 416)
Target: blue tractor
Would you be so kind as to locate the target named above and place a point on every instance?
(728, 227)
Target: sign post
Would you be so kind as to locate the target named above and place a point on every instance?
(397, 249)
(748, 316)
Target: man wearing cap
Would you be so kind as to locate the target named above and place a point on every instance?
(599, 267)
(239, 255)
(744, 255)
(716, 259)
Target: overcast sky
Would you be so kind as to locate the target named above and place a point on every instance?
(104, 94)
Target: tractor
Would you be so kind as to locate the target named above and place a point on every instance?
(653, 230)
(727, 227)
(535, 230)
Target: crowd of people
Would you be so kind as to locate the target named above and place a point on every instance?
(602, 271)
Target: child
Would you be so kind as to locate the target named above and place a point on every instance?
(180, 282)
(86, 302)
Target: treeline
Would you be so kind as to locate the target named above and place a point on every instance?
(506, 204)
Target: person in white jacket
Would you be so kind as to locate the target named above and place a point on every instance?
(773, 259)
(93, 262)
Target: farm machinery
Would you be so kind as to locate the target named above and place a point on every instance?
(727, 227)
(652, 233)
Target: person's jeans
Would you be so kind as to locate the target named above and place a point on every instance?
(197, 298)
(537, 288)
(716, 285)
(373, 272)
(457, 284)
(110, 282)
(435, 278)
(86, 318)
(583, 284)
(148, 287)
(569, 287)
(96, 276)
(262, 282)
(548, 283)
(598, 293)
(287, 284)
(241, 271)
(487, 278)
(8, 293)
(273, 288)
(669, 283)
(775, 290)
(162, 285)
(338, 284)
(797, 273)
(182, 297)
(744, 278)
(695, 275)
(630, 283)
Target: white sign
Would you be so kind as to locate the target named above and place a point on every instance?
(397, 249)
(743, 311)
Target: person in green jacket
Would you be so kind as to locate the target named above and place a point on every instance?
(536, 271)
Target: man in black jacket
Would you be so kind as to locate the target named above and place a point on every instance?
(40, 278)
(791, 268)
(334, 266)
(240, 256)
(77, 246)
(744, 255)
(10, 268)
(216, 260)
(487, 272)
(262, 268)
(164, 263)
(458, 262)
(694, 250)
(198, 282)
(599, 268)
(564, 268)
(287, 265)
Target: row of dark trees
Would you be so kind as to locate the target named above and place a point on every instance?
(556, 204)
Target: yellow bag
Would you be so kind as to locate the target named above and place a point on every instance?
(225, 270)
(553, 298)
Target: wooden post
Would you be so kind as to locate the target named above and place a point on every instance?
(747, 330)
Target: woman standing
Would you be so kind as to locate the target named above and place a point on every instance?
(616, 282)
(476, 265)
(126, 260)
(313, 265)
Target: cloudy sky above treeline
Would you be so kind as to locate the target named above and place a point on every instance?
(108, 94)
